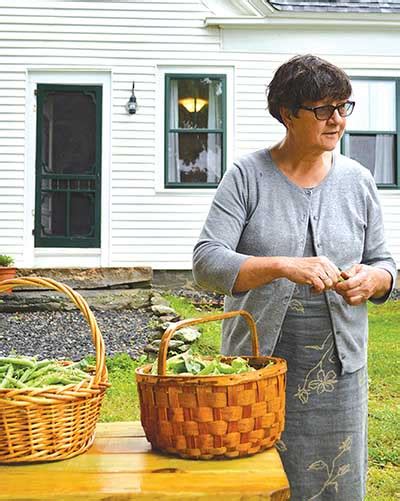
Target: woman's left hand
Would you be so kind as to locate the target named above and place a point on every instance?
(362, 282)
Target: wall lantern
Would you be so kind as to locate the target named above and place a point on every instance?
(193, 103)
(131, 105)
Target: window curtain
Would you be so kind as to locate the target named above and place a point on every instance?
(214, 140)
(173, 138)
(383, 168)
(375, 112)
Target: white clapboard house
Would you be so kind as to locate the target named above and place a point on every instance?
(87, 181)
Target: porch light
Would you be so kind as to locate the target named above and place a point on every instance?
(193, 103)
(131, 105)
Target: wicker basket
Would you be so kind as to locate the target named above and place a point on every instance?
(46, 424)
(209, 417)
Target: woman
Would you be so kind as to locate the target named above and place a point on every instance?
(295, 236)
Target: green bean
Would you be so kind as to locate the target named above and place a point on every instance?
(43, 363)
(78, 379)
(52, 379)
(82, 364)
(16, 383)
(41, 371)
(52, 373)
(77, 372)
(26, 374)
(17, 361)
(7, 377)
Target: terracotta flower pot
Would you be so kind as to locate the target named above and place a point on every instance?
(7, 272)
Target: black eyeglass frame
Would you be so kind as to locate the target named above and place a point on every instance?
(315, 109)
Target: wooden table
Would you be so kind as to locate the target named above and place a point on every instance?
(121, 466)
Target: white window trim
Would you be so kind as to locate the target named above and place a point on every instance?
(353, 73)
(161, 71)
(67, 256)
(365, 73)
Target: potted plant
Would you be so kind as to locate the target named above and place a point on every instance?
(7, 269)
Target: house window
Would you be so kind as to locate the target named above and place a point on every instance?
(372, 133)
(68, 166)
(195, 131)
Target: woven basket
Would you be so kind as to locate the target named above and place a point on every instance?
(209, 417)
(47, 424)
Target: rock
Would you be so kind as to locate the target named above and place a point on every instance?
(160, 309)
(156, 343)
(184, 336)
(92, 278)
(187, 334)
(170, 318)
(173, 343)
(172, 279)
(119, 300)
(161, 327)
(156, 335)
(158, 299)
(149, 348)
(45, 300)
(183, 348)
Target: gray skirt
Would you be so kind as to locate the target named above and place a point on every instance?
(324, 444)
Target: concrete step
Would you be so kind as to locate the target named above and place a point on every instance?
(93, 278)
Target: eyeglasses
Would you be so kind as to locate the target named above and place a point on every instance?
(325, 112)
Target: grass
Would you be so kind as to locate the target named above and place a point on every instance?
(209, 341)
(121, 401)
(384, 403)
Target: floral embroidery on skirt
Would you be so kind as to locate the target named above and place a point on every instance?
(324, 444)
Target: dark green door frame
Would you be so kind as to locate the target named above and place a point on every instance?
(68, 186)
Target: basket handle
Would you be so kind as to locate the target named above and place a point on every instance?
(162, 354)
(100, 376)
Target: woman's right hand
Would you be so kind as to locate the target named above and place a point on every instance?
(318, 271)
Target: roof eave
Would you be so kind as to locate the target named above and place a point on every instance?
(310, 19)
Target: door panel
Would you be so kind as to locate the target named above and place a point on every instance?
(68, 166)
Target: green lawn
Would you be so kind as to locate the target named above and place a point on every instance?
(384, 402)
(121, 402)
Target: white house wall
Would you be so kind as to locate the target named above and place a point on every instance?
(148, 225)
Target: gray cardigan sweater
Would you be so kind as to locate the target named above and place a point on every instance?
(258, 211)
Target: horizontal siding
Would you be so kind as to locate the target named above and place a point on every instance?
(114, 41)
(180, 202)
(146, 227)
(99, 49)
(155, 235)
(120, 213)
(390, 200)
(131, 24)
(113, 32)
(160, 220)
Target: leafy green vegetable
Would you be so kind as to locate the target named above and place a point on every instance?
(197, 365)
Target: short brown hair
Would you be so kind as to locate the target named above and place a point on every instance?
(305, 79)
